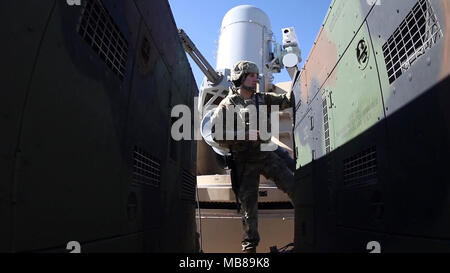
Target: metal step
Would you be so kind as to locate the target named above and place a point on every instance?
(217, 188)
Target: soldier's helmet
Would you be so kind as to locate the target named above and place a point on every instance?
(240, 70)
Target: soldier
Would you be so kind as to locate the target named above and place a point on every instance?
(248, 160)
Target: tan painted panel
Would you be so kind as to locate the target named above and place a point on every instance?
(222, 230)
(322, 59)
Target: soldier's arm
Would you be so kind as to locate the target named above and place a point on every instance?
(219, 119)
(282, 100)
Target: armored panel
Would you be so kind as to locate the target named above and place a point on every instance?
(313, 128)
(300, 91)
(70, 142)
(385, 136)
(88, 121)
(317, 125)
(355, 91)
(303, 140)
(342, 22)
(18, 53)
(305, 220)
(418, 148)
(318, 68)
(411, 48)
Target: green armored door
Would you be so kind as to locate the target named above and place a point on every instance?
(356, 106)
(355, 97)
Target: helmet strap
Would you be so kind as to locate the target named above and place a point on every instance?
(244, 76)
(253, 89)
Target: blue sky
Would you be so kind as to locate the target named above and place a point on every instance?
(201, 19)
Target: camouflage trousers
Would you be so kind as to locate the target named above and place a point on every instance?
(274, 166)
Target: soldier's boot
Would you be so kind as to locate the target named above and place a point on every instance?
(249, 250)
(248, 247)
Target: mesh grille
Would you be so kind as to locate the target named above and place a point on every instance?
(189, 184)
(418, 32)
(360, 167)
(326, 127)
(146, 169)
(100, 31)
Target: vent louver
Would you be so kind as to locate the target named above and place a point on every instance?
(146, 169)
(360, 167)
(99, 30)
(417, 33)
(326, 127)
(189, 186)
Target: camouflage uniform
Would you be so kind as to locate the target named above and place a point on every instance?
(250, 162)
